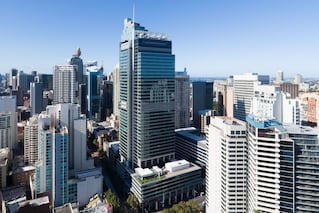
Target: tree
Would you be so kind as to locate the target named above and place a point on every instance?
(112, 199)
(193, 205)
(133, 202)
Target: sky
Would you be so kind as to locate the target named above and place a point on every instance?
(210, 38)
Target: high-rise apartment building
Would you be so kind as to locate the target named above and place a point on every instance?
(13, 74)
(182, 95)
(244, 92)
(64, 84)
(62, 169)
(306, 158)
(202, 99)
(31, 141)
(147, 86)
(227, 166)
(270, 173)
(36, 98)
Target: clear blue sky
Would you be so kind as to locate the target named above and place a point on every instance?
(210, 38)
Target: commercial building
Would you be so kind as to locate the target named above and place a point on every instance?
(191, 146)
(202, 99)
(94, 99)
(64, 84)
(116, 90)
(157, 188)
(182, 95)
(270, 103)
(147, 106)
(36, 98)
(4, 157)
(227, 166)
(244, 92)
(8, 122)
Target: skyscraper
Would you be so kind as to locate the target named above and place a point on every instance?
(64, 84)
(244, 91)
(147, 84)
(8, 122)
(270, 173)
(116, 90)
(202, 99)
(95, 78)
(31, 141)
(36, 97)
(226, 168)
(182, 88)
(77, 61)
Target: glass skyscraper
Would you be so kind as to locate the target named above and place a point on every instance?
(147, 84)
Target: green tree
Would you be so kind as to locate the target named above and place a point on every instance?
(133, 202)
(112, 199)
(193, 205)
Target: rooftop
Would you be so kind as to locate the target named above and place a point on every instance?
(264, 123)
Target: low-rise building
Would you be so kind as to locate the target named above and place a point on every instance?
(157, 188)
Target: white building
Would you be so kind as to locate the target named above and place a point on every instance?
(226, 168)
(270, 173)
(270, 103)
(31, 141)
(69, 115)
(64, 84)
(244, 92)
(8, 122)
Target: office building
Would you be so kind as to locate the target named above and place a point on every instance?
(270, 173)
(36, 98)
(116, 90)
(244, 92)
(227, 166)
(157, 188)
(280, 77)
(147, 87)
(12, 74)
(269, 102)
(83, 98)
(182, 95)
(8, 122)
(106, 99)
(46, 80)
(77, 61)
(95, 78)
(202, 99)
(292, 89)
(191, 146)
(4, 157)
(23, 81)
(64, 84)
(298, 79)
(31, 141)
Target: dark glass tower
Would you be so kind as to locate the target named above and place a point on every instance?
(147, 84)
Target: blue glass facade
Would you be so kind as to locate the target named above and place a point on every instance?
(95, 79)
(147, 86)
